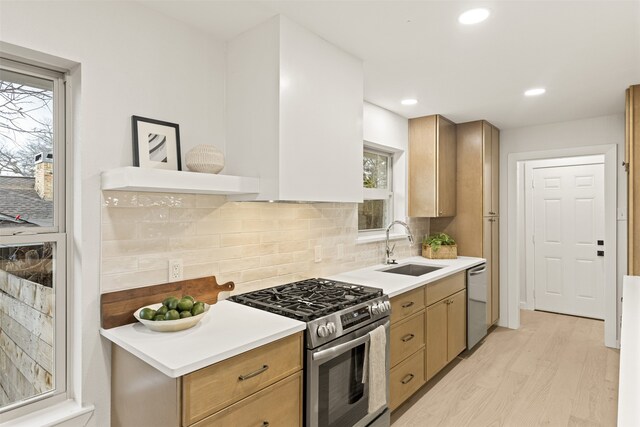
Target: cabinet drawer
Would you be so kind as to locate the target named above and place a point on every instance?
(276, 405)
(405, 379)
(407, 304)
(406, 338)
(208, 390)
(445, 287)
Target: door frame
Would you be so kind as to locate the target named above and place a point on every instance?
(528, 301)
(513, 241)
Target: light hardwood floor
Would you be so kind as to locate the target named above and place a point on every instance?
(553, 371)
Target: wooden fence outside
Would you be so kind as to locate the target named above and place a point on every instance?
(26, 338)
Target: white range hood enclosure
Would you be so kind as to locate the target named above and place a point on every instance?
(294, 115)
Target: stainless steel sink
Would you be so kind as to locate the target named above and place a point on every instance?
(411, 269)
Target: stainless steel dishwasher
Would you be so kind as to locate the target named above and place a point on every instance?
(476, 305)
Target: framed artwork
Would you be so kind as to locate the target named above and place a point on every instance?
(156, 144)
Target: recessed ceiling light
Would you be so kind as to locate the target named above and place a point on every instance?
(535, 92)
(409, 101)
(473, 16)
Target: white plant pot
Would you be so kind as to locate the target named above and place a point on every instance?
(205, 158)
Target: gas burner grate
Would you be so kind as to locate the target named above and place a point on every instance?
(308, 299)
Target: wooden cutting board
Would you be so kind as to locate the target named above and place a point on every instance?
(117, 308)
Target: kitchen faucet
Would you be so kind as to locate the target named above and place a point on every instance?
(389, 250)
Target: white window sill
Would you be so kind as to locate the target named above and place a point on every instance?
(377, 237)
(67, 414)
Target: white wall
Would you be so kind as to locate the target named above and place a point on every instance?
(132, 60)
(579, 133)
(390, 132)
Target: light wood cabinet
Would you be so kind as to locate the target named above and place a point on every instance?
(424, 340)
(632, 166)
(405, 379)
(407, 304)
(446, 331)
(437, 349)
(491, 169)
(260, 385)
(432, 167)
(476, 224)
(407, 342)
(445, 287)
(211, 389)
(456, 324)
(277, 405)
(407, 337)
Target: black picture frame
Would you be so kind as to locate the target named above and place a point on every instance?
(166, 139)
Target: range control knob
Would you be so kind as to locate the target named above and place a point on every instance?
(387, 304)
(381, 307)
(322, 331)
(331, 327)
(374, 309)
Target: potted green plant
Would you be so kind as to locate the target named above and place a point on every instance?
(439, 246)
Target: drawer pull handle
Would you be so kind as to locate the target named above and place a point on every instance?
(254, 373)
(265, 424)
(407, 304)
(407, 379)
(407, 337)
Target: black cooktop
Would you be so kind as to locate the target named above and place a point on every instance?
(308, 299)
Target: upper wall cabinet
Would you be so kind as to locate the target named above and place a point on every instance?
(294, 115)
(432, 167)
(491, 169)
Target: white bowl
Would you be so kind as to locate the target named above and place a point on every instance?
(170, 325)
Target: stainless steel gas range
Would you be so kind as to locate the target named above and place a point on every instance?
(340, 320)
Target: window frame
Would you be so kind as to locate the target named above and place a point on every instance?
(378, 193)
(58, 233)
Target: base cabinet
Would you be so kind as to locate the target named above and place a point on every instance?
(277, 405)
(437, 357)
(446, 331)
(260, 387)
(405, 379)
(428, 330)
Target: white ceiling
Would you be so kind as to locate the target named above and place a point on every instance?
(585, 53)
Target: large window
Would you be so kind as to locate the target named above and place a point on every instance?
(33, 235)
(377, 210)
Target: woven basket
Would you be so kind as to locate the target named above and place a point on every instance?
(205, 158)
(444, 252)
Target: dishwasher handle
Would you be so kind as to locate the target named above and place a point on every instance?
(476, 272)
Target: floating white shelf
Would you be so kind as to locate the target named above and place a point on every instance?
(132, 178)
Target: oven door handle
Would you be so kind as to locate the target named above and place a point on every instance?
(341, 348)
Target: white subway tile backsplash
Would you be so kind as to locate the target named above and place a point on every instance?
(255, 245)
(120, 199)
(169, 200)
(239, 239)
(194, 242)
(239, 264)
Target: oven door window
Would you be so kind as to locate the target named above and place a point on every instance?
(343, 391)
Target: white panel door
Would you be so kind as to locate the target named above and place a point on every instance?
(568, 215)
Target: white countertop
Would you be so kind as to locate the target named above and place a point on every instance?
(230, 329)
(629, 380)
(226, 331)
(396, 284)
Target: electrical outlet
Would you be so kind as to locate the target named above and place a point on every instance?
(318, 253)
(175, 270)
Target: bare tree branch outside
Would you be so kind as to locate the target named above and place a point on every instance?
(25, 127)
(27, 280)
